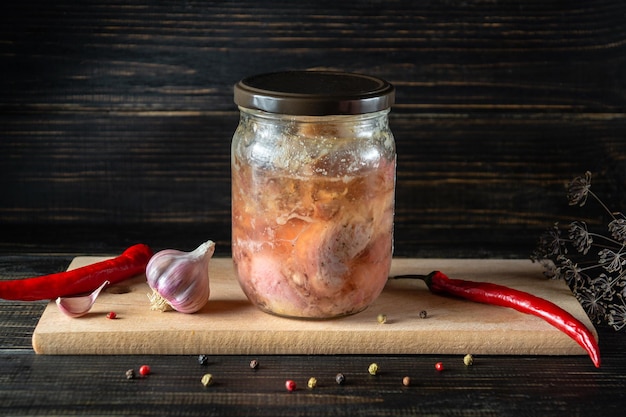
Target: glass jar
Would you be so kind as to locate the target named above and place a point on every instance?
(313, 187)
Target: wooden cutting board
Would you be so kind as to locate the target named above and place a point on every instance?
(229, 324)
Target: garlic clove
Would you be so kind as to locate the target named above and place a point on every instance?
(80, 305)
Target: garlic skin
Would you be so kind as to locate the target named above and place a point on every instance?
(180, 280)
(80, 305)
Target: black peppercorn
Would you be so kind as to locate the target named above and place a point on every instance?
(340, 379)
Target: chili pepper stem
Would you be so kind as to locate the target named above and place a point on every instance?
(428, 279)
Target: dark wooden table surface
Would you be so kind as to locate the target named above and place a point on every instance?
(115, 127)
(33, 384)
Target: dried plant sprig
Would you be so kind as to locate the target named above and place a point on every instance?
(593, 264)
(579, 189)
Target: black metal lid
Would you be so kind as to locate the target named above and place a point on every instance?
(314, 93)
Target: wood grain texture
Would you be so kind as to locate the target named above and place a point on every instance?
(230, 324)
(556, 386)
(496, 385)
(115, 123)
(121, 113)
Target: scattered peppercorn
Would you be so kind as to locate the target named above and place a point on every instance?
(144, 370)
(382, 318)
(111, 315)
(254, 364)
(340, 379)
(406, 381)
(468, 360)
(203, 360)
(439, 366)
(207, 379)
(290, 385)
(423, 314)
(373, 369)
(312, 383)
(130, 374)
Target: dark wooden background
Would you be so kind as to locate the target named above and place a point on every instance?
(116, 117)
(115, 126)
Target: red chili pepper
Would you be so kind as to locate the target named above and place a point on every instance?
(130, 263)
(488, 293)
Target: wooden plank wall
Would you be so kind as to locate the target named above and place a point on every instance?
(116, 116)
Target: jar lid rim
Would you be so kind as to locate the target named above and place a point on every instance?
(314, 93)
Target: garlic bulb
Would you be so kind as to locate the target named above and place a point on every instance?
(180, 280)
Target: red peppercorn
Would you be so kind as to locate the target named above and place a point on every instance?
(144, 370)
(439, 366)
(290, 385)
(111, 315)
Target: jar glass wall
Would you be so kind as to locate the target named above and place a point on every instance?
(313, 185)
(312, 210)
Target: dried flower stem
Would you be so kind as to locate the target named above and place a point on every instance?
(593, 264)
